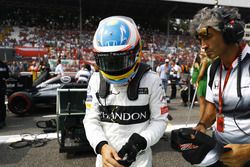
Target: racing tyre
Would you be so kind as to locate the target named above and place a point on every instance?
(20, 103)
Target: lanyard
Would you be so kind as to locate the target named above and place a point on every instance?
(225, 83)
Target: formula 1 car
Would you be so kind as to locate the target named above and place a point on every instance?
(42, 93)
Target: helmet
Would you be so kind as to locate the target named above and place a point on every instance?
(117, 49)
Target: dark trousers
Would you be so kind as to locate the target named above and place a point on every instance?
(173, 89)
(2, 107)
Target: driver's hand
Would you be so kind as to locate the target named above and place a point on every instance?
(109, 156)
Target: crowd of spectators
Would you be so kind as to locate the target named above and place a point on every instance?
(60, 35)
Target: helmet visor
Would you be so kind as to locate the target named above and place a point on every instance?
(116, 63)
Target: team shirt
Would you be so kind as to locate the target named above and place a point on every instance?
(231, 111)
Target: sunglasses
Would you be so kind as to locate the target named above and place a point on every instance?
(202, 33)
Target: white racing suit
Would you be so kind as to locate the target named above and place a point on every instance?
(146, 116)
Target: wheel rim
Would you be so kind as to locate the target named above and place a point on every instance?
(19, 105)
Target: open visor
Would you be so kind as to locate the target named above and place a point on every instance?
(116, 63)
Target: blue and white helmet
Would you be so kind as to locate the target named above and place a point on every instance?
(117, 48)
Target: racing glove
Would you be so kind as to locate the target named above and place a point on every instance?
(129, 151)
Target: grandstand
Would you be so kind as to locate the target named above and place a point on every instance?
(58, 28)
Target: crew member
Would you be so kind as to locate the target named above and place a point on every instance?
(220, 31)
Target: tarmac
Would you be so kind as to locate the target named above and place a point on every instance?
(49, 156)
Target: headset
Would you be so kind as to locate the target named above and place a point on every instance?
(232, 27)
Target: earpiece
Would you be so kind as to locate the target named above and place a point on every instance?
(231, 27)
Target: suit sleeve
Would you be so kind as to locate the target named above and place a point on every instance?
(92, 119)
(158, 118)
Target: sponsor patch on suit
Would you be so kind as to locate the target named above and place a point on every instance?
(143, 91)
(89, 98)
(164, 109)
